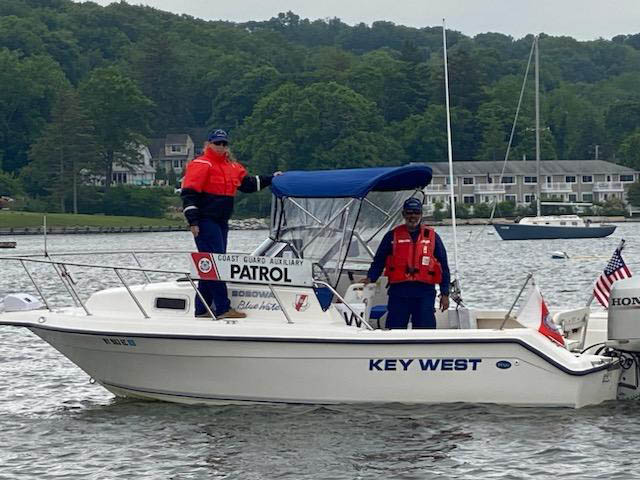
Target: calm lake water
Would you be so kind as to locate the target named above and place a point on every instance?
(54, 424)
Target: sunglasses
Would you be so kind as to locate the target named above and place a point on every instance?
(219, 143)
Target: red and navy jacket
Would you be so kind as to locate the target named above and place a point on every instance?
(210, 183)
(410, 288)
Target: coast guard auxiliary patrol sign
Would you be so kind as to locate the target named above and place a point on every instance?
(251, 269)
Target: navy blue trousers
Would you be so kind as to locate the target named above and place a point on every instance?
(213, 239)
(420, 309)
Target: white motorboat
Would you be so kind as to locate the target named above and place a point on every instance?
(311, 335)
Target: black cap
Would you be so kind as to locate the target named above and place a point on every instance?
(412, 205)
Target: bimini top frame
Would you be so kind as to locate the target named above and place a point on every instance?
(317, 214)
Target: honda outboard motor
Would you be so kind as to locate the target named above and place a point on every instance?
(623, 325)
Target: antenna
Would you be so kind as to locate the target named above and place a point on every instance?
(450, 154)
(44, 223)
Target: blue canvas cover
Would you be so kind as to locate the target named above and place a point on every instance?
(351, 182)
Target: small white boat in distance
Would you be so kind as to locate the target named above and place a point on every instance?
(311, 335)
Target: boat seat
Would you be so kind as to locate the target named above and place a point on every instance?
(360, 297)
(574, 326)
(377, 312)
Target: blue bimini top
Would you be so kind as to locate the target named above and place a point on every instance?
(350, 182)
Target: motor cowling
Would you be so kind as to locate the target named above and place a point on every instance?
(623, 321)
(19, 302)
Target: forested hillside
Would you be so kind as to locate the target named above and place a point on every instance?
(79, 83)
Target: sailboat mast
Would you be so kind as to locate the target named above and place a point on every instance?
(538, 179)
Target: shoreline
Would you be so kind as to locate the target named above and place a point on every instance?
(247, 224)
(240, 224)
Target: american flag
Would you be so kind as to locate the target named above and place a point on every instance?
(616, 269)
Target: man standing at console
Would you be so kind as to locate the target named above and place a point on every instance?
(414, 260)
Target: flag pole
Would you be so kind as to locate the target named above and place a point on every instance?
(619, 249)
(506, 317)
(456, 274)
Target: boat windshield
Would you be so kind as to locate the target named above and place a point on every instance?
(333, 232)
(342, 230)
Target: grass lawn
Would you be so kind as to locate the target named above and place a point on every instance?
(10, 219)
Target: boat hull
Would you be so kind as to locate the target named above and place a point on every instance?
(372, 368)
(515, 231)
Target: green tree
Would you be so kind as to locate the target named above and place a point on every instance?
(161, 75)
(381, 77)
(10, 186)
(319, 126)
(236, 100)
(622, 119)
(62, 151)
(630, 150)
(120, 114)
(482, 210)
(27, 91)
(633, 195)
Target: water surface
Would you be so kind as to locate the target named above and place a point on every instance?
(54, 424)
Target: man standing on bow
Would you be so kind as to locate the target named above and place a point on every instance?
(208, 187)
(414, 260)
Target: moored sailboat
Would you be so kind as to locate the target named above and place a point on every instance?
(554, 226)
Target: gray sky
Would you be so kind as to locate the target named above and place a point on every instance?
(580, 19)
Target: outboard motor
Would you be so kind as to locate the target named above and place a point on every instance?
(623, 325)
(623, 322)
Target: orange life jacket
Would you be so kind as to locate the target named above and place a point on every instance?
(214, 174)
(413, 261)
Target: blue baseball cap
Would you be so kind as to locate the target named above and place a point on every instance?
(218, 136)
(412, 205)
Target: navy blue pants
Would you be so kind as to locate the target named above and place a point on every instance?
(420, 309)
(213, 239)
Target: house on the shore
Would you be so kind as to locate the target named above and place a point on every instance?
(141, 173)
(171, 153)
(561, 180)
(165, 158)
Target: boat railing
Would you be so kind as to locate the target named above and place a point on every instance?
(62, 271)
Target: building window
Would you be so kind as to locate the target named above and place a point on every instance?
(530, 179)
(508, 180)
(549, 179)
(529, 198)
(176, 148)
(176, 164)
(626, 178)
(510, 198)
(467, 181)
(587, 197)
(573, 197)
(120, 177)
(587, 179)
(448, 178)
(570, 179)
(469, 199)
